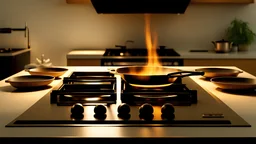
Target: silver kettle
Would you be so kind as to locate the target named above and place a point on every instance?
(222, 46)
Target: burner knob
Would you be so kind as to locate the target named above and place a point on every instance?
(100, 109)
(75, 117)
(124, 116)
(77, 109)
(146, 117)
(146, 109)
(100, 116)
(167, 109)
(168, 117)
(123, 109)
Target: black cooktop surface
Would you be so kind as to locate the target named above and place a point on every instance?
(102, 101)
(139, 52)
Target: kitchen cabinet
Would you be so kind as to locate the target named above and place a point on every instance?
(83, 62)
(13, 64)
(222, 1)
(244, 64)
(192, 1)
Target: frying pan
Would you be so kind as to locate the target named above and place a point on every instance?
(219, 72)
(30, 81)
(51, 71)
(234, 83)
(161, 79)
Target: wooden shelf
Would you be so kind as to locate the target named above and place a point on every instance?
(222, 1)
(192, 1)
(78, 1)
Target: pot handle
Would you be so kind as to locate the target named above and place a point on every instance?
(184, 74)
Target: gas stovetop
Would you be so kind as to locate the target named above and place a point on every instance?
(103, 99)
(139, 52)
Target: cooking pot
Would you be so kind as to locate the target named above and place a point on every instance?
(222, 46)
(165, 77)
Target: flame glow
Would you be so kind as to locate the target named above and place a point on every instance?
(153, 66)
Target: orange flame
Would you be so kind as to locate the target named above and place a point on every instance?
(153, 65)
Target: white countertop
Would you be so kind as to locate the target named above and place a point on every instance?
(185, 54)
(12, 104)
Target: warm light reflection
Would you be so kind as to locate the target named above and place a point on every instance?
(153, 65)
(88, 52)
(92, 99)
(92, 83)
(151, 86)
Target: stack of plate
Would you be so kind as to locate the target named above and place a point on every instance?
(51, 71)
(39, 77)
(226, 78)
(30, 81)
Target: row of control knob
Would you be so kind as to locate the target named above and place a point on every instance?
(145, 110)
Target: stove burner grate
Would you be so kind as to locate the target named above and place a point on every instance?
(176, 94)
(86, 88)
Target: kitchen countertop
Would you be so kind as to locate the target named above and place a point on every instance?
(15, 53)
(13, 103)
(185, 54)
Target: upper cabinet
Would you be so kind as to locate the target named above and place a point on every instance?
(223, 1)
(192, 1)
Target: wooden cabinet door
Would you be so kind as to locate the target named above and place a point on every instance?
(192, 1)
(224, 1)
(83, 62)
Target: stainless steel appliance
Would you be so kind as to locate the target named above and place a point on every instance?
(123, 56)
(222, 46)
(102, 99)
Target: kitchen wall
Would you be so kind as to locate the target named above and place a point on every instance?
(57, 27)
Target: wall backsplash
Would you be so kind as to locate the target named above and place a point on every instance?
(57, 27)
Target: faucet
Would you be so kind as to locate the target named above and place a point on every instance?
(27, 35)
(25, 29)
(123, 47)
(128, 41)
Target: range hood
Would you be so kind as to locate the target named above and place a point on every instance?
(140, 6)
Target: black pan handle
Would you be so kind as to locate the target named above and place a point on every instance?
(184, 74)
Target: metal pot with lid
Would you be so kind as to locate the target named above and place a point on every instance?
(222, 46)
